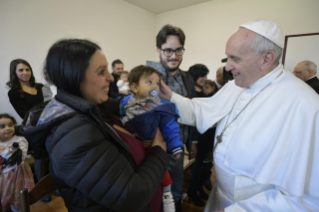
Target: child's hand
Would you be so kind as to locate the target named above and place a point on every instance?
(177, 156)
(159, 141)
(148, 143)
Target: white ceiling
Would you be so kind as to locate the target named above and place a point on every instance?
(161, 6)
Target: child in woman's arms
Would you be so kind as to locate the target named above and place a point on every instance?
(143, 112)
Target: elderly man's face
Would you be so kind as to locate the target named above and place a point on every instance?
(242, 61)
(301, 72)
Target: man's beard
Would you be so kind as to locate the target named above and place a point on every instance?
(164, 64)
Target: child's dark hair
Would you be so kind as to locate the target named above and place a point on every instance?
(7, 116)
(139, 71)
(210, 83)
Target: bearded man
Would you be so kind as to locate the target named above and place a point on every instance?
(170, 47)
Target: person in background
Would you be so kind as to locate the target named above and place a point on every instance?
(200, 172)
(199, 73)
(15, 174)
(306, 71)
(123, 83)
(220, 81)
(117, 69)
(96, 164)
(24, 92)
(170, 42)
(209, 88)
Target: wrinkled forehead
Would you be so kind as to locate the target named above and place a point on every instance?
(300, 66)
(240, 40)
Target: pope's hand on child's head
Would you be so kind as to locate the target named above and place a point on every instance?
(165, 91)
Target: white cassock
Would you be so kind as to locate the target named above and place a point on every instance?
(269, 157)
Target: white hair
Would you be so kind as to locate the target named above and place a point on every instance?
(310, 65)
(261, 45)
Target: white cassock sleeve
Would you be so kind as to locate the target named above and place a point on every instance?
(275, 200)
(205, 112)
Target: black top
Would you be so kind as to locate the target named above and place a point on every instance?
(113, 89)
(314, 83)
(23, 104)
(200, 94)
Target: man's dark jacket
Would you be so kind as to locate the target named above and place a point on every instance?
(113, 89)
(314, 83)
(90, 164)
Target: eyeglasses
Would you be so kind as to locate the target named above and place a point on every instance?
(169, 52)
(297, 72)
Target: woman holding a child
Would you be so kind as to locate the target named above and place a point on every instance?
(97, 165)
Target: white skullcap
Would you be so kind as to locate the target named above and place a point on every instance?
(267, 28)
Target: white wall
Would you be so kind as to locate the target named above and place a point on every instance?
(300, 49)
(29, 27)
(209, 25)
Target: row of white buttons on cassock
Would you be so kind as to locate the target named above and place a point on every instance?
(220, 151)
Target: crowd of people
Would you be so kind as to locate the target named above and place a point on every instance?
(116, 140)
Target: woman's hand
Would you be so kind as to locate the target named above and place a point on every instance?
(159, 141)
(165, 91)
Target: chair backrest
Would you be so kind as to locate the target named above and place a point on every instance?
(45, 186)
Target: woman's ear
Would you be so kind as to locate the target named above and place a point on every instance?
(268, 59)
(133, 87)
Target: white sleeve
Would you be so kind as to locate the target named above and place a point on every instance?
(205, 112)
(275, 200)
(120, 83)
(23, 145)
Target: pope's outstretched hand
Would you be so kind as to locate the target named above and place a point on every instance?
(165, 91)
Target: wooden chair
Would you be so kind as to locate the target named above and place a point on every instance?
(43, 187)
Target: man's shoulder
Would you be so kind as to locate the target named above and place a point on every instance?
(299, 91)
(313, 81)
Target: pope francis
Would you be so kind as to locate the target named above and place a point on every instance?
(266, 149)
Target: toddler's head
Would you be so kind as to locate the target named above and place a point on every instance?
(124, 76)
(142, 79)
(209, 87)
(7, 124)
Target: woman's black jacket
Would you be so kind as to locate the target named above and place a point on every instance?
(91, 165)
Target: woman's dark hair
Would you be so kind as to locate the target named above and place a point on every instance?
(14, 81)
(139, 71)
(7, 116)
(67, 61)
(169, 30)
(197, 71)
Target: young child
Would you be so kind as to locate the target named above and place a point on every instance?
(14, 173)
(143, 112)
(123, 83)
(209, 88)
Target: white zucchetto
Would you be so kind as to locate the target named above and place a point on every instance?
(267, 28)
